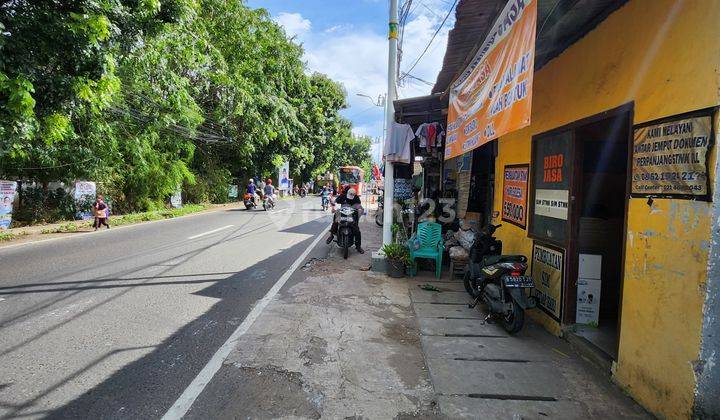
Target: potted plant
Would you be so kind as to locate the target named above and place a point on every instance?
(398, 257)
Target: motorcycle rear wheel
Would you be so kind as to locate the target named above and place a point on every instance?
(513, 322)
(379, 217)
(471, 285)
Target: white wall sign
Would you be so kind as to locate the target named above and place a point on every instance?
(552, 203)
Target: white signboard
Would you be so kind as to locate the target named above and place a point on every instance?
(84, 193)
(176, 199)
(588, 302)
(284, 177)
(589, 283)
(7, 197)
(552, 203)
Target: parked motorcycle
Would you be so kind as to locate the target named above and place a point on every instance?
(250, 202)
(347, 222)
(268, 203)
(499, 281)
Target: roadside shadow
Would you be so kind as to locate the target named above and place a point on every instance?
(147, 387)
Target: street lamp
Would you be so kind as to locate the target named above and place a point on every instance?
(380, 100)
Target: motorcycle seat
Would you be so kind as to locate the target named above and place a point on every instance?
(494, 259)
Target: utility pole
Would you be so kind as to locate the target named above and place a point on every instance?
(389, 119)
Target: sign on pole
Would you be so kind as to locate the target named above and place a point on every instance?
(494, 95)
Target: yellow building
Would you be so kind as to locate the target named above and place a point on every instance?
(621, 192)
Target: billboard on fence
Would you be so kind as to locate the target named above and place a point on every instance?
(493, 96)
(7, 197)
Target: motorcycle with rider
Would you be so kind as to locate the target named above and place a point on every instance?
(345, 229)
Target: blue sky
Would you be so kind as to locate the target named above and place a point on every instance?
(347, 40)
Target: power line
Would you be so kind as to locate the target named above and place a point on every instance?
(418, 79)
(431, 39)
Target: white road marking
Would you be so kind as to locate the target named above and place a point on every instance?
(210, 232)
(188, 397)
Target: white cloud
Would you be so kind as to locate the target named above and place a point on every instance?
(357, 58)
(294, 24)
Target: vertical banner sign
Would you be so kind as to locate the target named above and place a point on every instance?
(7, 197)
(552, 169)
(84, 196)
(515, 188)
(284, 177)
(670, 158)
(547, 271)
(493, 96)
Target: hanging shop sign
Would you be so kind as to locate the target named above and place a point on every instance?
(670, 157)
(7, 197)
(547, 270)
(493, 96)
(552, 166)
(515, 189)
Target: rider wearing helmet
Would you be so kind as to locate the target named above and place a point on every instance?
(350, 198)
(252, 189)
(269, 190)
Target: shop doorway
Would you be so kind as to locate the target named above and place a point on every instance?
(482, 184)
(597, 242)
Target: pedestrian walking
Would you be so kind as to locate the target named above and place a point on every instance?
(101, 212)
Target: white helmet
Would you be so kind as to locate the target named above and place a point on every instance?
(252, 181)
(351, 193)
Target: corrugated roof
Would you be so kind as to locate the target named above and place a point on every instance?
(560, 24)
(473, 20)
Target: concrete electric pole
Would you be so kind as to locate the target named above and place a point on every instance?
(389, 118)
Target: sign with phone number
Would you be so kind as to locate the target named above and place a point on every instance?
(669, 158)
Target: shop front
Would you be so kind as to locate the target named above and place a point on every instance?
(610, 188)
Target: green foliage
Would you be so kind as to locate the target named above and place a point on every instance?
(396, 252)
(142, 96)
(40, 206)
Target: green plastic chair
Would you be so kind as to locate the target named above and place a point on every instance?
(431, 246)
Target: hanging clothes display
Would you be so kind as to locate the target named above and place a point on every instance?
(397, 148)
(430, 135)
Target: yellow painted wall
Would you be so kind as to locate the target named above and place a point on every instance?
(665, 56)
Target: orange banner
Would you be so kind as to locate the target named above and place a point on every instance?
(494, 95)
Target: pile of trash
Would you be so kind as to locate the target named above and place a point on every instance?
(458, 244)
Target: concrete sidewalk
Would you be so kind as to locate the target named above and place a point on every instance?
(342, 342)
(478, 370)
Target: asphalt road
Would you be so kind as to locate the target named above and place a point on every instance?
(116, 324)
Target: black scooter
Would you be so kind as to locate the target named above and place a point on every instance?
(347, 221)
(499, 281)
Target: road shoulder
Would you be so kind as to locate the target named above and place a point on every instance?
(339, 341)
